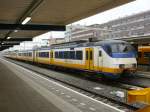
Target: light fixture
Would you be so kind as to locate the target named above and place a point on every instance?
(2, 43)
(15, 30)
(27, 19)
(131, 42)
(9, 37)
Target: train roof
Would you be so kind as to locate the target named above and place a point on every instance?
(82, 44)
(144, 48)
(110, 41)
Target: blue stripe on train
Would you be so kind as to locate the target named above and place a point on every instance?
(123, 55)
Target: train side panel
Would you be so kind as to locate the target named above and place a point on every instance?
(42, 56)
(143, 55)
(61, 58)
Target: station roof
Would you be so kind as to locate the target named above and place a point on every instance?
(46, 15)
(140, 40)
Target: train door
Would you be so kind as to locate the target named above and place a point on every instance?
(91, 59)
(51, 56)
(100, 60)
(89, 52)
(33, 55)
(87, 61)
(36, 56)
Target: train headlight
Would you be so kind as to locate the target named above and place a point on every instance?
(121, 66)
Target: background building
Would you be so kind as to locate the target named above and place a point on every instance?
(137, 25)
(79, 32)
(132, 26)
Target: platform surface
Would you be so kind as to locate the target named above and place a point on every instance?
(22, 90)
(17, 96)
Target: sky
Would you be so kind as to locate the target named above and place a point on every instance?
(48, 35)
(131, 8)
(115, 13)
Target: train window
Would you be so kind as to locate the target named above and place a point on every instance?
(44, 54)
(65, 54)
(87, 56)
(139, 54)
(71, 48)
(61, 54)
(121, 47)
(100, 53)
(47, 54)
(91, 55)
(146, 54)
(68, 54)
(109, 51)
(30, 54)
(56, 55)
(72, 54)
(79, 55)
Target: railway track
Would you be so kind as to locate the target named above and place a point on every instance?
(121, 104)
(139, 80)
(143, 74)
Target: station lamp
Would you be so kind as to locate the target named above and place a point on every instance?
(15, 30)
(27, 19)
(9, 38)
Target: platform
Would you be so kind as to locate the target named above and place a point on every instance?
(25, 91)
(17, 96)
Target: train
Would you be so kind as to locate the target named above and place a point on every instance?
(144, 55)
(107, 58)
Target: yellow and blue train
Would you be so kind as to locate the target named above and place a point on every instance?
(144, 55)
(109, 58)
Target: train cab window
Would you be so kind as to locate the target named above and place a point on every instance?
(139, 54)
(79, 55)
(100, 53)
(109, 51)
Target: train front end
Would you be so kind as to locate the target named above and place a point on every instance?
(121, 58)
